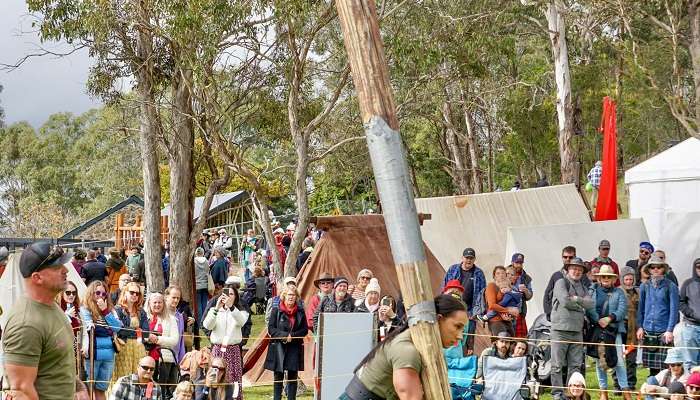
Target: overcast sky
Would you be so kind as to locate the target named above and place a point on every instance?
(43, 85)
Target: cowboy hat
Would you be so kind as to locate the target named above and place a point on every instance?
(606, 270)
(576, 261)
(325, 276)
(656, 260)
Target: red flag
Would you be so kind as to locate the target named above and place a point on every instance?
(606, 209)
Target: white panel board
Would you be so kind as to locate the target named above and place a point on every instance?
(480, 221)
(681, 242)
(542, 246)
(344, 340)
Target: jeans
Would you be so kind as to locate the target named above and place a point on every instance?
(565, 355)
(247, 275)
(620, 368)
(279, 385)
(202, 299)
(691, 338)
(101, 373)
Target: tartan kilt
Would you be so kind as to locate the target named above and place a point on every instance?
(654, 357)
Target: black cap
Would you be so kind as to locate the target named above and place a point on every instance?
(40, 255)
(676, 388)
(604, 244)
(469, 252)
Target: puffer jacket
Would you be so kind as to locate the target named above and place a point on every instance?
(329, 305)
(658, 306)
(201, 273)
(689, 303)
(103, 348)
(616, 307)
(568, 313)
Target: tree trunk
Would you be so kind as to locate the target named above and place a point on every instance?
(694, 48)
(557, 36)
(459, 174)
(473, 146)
(181, 144)
(301, 144)
(262, 211)
(149, 127)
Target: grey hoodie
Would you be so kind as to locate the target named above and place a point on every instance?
(689, 304)
(201, 272)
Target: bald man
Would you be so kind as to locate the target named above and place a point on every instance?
(139, 385)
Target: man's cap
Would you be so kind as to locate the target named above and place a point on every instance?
(604, 244)
(694, 379)
(41, 255)
(453, 284)
(4, 254)
(339, 280)
(646, 245)
(290, 279)
(469, 252)
(517, 258)
(576, 261)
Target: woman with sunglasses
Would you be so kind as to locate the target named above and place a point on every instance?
(70, 304)
(162, 338)
(660, 384)
(101, 324)
(225, 320)
(657, 315)
(133, 317)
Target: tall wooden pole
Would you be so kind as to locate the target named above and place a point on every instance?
(358, 19)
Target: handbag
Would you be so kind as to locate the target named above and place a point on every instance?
(210, 285)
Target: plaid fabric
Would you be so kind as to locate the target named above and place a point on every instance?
(128, 388)
(594, 176)
(520, 327)
(654, 357)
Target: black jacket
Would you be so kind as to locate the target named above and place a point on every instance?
(689, 304)
(93, 270)
(286, 356)
(329, 305)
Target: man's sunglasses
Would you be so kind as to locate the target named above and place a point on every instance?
(71, 292)
(147, 368)
(656, 267)
(325, 282)
(567, 257)
(646, 253)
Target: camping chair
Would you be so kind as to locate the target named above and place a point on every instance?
(504, 379)
(461, 373)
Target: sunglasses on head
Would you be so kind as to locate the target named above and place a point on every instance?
(147, 368)
(71, 292)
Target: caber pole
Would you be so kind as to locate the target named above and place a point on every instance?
(358, 20)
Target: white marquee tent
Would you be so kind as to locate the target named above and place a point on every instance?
(542, 246)
(481, 221)
(666, 183)
(680, 239)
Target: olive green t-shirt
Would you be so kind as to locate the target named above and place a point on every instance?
(377, 373)
(39, 335)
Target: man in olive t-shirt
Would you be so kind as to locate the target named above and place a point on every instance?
(377, 374)
(38, 340)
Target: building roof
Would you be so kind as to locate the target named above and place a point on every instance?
(220, 202)
(133, 199)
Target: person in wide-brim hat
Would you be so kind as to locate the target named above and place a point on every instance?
(325, 276)
(577, 261)
(656, 260)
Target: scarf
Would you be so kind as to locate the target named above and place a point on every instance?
(372, 308)
(656, 280)
(290, 313)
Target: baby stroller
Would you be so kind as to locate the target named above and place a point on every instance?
(540, 349)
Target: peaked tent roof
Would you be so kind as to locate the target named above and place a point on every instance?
(677, 163)
(349, 244)
(133, 199)
(220, 202)
(481, 221)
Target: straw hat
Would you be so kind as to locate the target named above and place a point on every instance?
(606, 270)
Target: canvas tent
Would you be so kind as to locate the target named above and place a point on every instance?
(542, 246)
(480, 221)
(666, 183)
(349, 243)
(680, 239)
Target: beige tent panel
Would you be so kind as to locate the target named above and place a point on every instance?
(481, 221)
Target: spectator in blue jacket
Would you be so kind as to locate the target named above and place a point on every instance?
(609, 313)
(657, 314)
(472, 279)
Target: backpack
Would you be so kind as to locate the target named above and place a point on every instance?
(480, 306)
